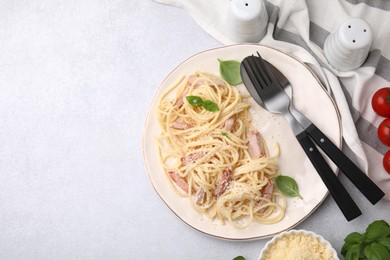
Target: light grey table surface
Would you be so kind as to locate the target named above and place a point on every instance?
(76, 80)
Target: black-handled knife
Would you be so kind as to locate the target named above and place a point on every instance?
(365, 185)
(335, 187)
(263, 88)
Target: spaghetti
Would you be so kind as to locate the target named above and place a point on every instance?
(216, 158)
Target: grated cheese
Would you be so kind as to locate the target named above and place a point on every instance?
(298, 247)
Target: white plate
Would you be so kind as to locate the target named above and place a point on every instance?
(309, 97)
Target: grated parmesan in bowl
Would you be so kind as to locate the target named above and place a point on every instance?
(298, 245)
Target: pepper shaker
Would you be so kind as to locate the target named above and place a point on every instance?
(348, 47)
(246, 21)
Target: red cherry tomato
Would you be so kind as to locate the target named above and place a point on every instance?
(381, 102)
(384, 131)
(386, 161)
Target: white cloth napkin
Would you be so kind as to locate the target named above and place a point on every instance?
(300, 28)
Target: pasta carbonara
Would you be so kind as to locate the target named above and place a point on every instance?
(215, 158)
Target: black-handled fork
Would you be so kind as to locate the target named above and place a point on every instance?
(366, 186)
(265, 90)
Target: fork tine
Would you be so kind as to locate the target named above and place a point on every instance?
(259, 65)
(250, 66)
(263, 81)
(264, 68)
(259, 80)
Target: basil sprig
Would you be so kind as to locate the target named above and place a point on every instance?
(230, 71)
(240, 257)
(288, 186)
(199, 102)
(372, 244)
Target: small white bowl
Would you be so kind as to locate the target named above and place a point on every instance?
(290, 243)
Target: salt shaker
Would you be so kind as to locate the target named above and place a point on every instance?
(348, 47)
(246, 21)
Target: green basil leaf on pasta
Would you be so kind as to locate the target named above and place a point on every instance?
(210, 106)
(225, 134)
(230, 71)
(195, 101)
(198, 102)
(239, 258)
(288, 186)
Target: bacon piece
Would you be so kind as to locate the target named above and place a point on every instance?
(180, 100)
(180, 181)
(256, 148)
(229, 123)
(267, 191)
(191, 79)
(223, 182)
(180, 126)
(219, 82)
(192, 157)
(199, 196)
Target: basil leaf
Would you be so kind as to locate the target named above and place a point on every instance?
(198, 102)
(287, 186)
(381, 223)
(385, 242)
(225, 134)
(345, 248)
(376, 231)
(230, 71)
(376, 251)
(239, 258)
(210, 106)
(353, 253)
(354, 238)
(195, 101)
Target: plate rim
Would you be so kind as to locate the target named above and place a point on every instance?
(340, 130)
